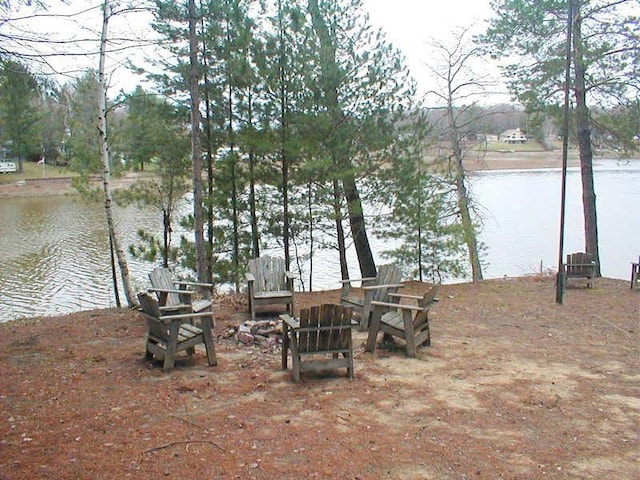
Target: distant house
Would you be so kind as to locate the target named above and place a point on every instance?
(490, 137)
(514, 135)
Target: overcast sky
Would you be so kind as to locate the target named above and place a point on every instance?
(413, 25)
(409, 24)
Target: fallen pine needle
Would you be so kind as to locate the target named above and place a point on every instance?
(183, 442)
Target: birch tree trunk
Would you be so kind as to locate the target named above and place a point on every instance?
(457, 157)
(106, 164)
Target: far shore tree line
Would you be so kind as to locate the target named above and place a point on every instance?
(294, 125)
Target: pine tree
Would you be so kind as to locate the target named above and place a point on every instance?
(605, 51)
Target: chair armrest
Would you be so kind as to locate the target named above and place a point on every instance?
(181, 306)
(365, 279)
(405, 295)
(195, 284)
(171, 290)
(290, 321)
(250, 277)
(398, 306)
(183, 316)
(289, 275)
(389, 285)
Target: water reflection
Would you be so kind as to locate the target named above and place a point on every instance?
(55, 255)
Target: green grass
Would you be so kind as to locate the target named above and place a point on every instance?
(34, 171)
(511, 147)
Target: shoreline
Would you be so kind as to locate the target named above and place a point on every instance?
(57, 186)
(474, 162)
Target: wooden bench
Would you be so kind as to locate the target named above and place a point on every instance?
(321, 331)
(580, 265)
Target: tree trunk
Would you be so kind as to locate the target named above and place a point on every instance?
(196, 151)
(342, 246)
(468, 229)
(104, 149)
(255, 234)
(208, 135)
(584, 142)
(166, 232)
(283, 140)
(358, 228)
(329, 82)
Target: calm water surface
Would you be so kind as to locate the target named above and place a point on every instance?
(54, 251)
(54, 255)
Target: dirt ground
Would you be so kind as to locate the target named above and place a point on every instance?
(514, 386)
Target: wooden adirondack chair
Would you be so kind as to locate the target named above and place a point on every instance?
(173, 293)
(371, 289)
(169, 334)
(409, 322)
(320, 331)
(269, 284)
(635, 273)
(580, 265)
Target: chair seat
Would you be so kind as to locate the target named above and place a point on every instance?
(276, 294)
(185, 333)
(393, 319)
(352, 301)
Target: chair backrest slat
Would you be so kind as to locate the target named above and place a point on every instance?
(269, 273)
(151, 309)
(303, 338)
(579, 264)
(387, 275)
(340, 333)
(424, 303)
(324, 328)
(160, 277)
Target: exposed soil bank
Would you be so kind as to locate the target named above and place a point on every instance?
(506, 160)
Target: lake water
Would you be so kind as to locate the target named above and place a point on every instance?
(54, 250)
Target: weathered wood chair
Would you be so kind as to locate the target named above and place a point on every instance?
(409, 322)
(635, 273)
(580, 265)
(169, 334)
(371, 289)
(323, 330)
(173, 293)
(269, 283)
